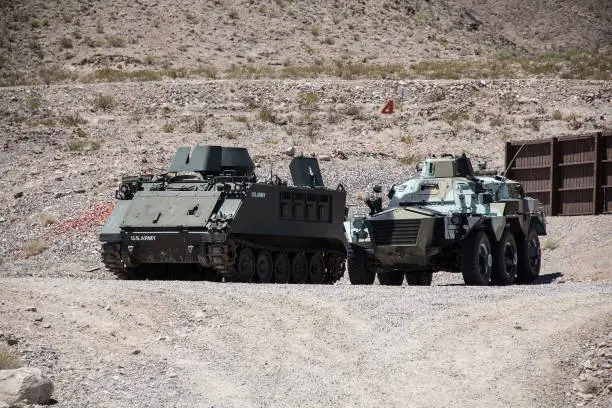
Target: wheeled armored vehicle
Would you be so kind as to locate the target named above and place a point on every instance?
(209, 218)
(448, 219)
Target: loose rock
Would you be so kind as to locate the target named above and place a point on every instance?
(25, 383)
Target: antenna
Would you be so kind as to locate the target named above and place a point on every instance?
(506, 171)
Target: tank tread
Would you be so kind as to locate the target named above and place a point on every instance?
(111, 258)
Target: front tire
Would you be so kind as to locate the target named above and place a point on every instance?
(529, 257)
(393, 278)
(477, 259)
(505, 260)
(419, 278)
(358, 270)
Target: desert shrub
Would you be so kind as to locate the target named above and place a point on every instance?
(76, 144)
(99, 27)
(409, 160)
(8, 359)
(116, 41)
(95, 144)
(496, 121)
(438, 94)
(65, 42)
(104, 102)
(307, 100)
(354, 111)
(35, 23)
(328, 41)
(33, 103)
(557, 115)
(73, 119)
(233, 14)
(241, 119)
(315, 31)
(168, 127)
(227, 134)
(533, 123)
(34, 247)
(91, 42)
(407, 139)
(199, 124)
(46, 218)
(267, 115)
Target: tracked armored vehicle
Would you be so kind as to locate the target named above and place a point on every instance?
(209, 218)
(448, 219)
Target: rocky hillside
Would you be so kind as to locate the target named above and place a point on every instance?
(72, 39)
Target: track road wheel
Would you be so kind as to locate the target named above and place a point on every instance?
(393, 278)
(358, 270)
(299, 268)
(476, 259)
(245, 266)
(505, 260)
(419, 278)
(316, 269)
(282, 268)
(529, 257)
(265, 267)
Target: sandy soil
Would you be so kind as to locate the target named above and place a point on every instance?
(113, 343)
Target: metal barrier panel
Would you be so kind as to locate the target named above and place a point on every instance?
(606, 172)
(570, 175)
(576, 175)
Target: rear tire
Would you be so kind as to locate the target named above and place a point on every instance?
(476, 259)
(529, 257)
(299, 268)
(393, 278)
(505, 260)
(419, 278)
(359, 271)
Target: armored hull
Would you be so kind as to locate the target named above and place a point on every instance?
(449, 219)
(209, 218)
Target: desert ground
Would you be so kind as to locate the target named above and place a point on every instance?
(94, 91)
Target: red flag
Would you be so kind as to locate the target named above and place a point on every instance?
(388, 108)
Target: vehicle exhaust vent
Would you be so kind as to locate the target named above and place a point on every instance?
(395, 232)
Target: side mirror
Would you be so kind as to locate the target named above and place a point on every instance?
(377, 189)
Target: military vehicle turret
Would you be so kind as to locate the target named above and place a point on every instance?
(209, 218)
(448, 219)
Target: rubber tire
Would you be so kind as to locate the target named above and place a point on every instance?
(245, 266)
(282, 268)
(529, 269)
(316, 269)
(419, 278)
(299, 268)
(358, 270)
(394, 278)
(502, 273)
(470, 257)
(264, 267)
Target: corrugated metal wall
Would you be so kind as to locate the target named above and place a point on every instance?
(570, 175)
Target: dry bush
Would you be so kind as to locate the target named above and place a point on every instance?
(73, 120)
(8, 360)
(104, 102)
(199, 124)
(34, 247)
(168, 127)
(557, 115)
(115, 41)
(267, 115)
(46, 218)
(65, 42)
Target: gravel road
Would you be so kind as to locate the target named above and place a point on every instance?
(115, 343)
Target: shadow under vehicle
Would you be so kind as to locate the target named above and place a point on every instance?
(209, 218)
(448, 219)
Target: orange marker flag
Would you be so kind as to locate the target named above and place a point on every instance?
(388, 108)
